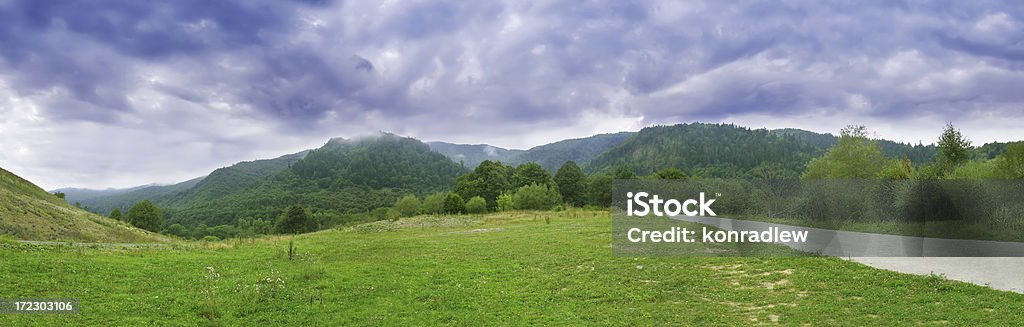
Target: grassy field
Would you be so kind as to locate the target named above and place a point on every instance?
(512, 268)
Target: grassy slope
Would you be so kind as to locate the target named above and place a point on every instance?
(514, 269)
(28, 212)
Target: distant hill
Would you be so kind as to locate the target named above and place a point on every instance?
(582, 150)
(104, 201)
(219, 183)
(28, 212)
(550, 156)
(342, 177)
(471, 155)
(79, 194)
(232, 179)
(347, 177)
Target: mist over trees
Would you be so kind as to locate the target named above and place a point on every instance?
(387, 176)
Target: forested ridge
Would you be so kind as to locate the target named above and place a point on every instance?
(229, 180)
(336, 181)
(550, 156)
(708, 150)
(362, 179)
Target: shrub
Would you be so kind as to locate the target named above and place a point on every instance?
(476, 204)
(453, 204)
(296, 220)
(210, 238)
(385, 214)
(433, 204)
(176, 230)
(116, 214)
(408, 206)
(506, 202)
(536, 197)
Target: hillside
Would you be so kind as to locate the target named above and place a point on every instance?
(104, 201)
(582, 150)
(709, 150)
(73, 195)
(232, 179)
(342, 178)
(219, 183)
(550, 156)
(28, 212)
(471, 155)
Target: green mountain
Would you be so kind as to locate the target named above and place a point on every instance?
(104, 201)
(340, 179)
(73, 195)
(28, 212)
(581, 150)
(709, 150)
(219, 183)
(471, 155)
(232, 179)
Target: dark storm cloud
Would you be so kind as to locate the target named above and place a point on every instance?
(477, 70)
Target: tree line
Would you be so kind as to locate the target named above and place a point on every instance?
(494, 186)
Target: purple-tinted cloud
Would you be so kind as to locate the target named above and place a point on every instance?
(222, 81)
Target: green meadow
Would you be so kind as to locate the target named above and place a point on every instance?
(519, 268)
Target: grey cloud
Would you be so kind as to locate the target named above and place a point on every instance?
(309, 69)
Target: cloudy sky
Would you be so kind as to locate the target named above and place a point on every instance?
(120, 93)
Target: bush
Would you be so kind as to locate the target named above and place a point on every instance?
(385, 214)
(176, 230)
(476, 204)
(408, 206)
(536, 197)
(1010, 164)
(453, 204)
(210, 238)
(222, 231)
(296, 220)
(506, 202)
(433, 204)
(116, 214)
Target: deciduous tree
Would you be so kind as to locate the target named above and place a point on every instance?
(296, 220)
(146, 215)
(572, 183)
